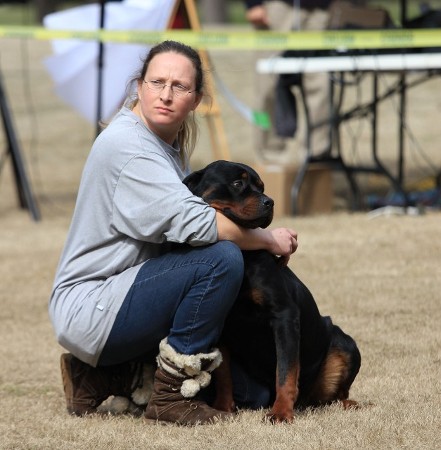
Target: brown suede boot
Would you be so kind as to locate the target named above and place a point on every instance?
(86, 387)
(177, 381)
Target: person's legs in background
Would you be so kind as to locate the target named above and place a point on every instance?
(317, 93)
(270, 147)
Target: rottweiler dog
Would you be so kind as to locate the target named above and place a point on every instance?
(274, 330)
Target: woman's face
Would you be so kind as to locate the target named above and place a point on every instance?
(164, 110)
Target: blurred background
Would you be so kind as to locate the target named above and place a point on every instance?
(210, 11)
(55, 139)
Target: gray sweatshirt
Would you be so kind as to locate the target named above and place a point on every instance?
(131, 203)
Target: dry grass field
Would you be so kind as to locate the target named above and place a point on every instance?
(379, 278)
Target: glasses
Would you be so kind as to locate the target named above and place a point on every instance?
(178, 90)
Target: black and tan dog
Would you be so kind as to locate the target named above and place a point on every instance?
(274, 329)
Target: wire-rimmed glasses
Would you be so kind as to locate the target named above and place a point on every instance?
(178, 90)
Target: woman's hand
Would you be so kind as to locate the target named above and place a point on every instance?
(284, 243)
(258, 17)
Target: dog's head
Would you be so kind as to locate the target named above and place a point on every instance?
(235, 190)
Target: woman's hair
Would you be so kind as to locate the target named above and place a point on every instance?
(188, 134)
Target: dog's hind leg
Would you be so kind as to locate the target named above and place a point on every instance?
(334, 381)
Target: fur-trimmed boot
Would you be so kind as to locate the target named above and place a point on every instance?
(86, 387)
(178, 379)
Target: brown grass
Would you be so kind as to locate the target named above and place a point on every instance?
(378, 278)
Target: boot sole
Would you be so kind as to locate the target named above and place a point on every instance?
(166, 422)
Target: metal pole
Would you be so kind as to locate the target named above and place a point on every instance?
(100, 68)
(24, 189)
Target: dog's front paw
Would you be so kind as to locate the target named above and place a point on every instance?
(280, 416)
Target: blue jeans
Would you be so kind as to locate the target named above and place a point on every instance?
(184, 295)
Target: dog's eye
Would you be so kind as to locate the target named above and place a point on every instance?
(238, 184)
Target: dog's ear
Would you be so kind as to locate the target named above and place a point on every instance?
(193, 180)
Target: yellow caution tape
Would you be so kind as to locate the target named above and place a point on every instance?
(245, 40)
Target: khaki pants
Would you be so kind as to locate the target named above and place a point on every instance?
(284, 17)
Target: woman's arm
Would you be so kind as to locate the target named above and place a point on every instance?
(278, 241)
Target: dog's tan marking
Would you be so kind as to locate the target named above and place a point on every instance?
(207, 192)
(256, 296)
(329, 381)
